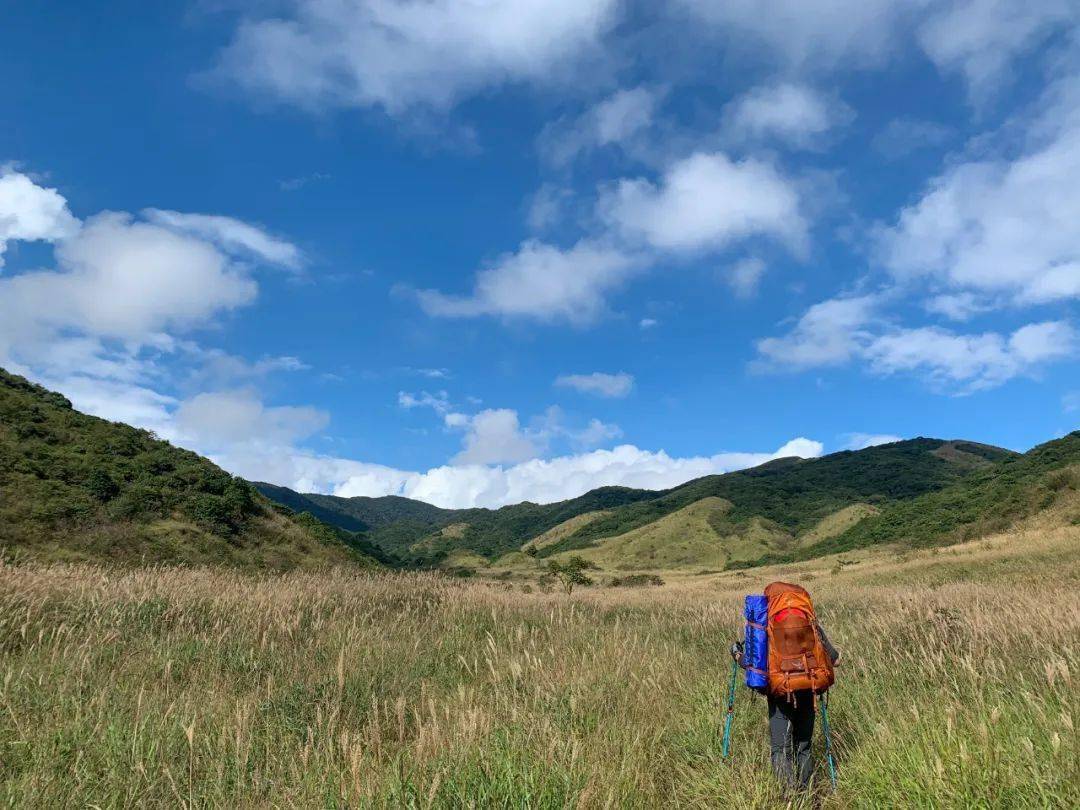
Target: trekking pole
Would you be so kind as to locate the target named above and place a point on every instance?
(735, 652)
(828, 738)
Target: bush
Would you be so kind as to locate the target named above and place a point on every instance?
(636, 581)
(101, 486)
(212, 512)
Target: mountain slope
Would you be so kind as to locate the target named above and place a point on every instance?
(415, 535)
(798, 493)
(990, 499)
(75, 487)
(770, 506)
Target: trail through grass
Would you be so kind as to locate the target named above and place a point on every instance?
(205, 688)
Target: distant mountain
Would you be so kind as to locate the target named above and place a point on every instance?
(992, 498)
(75, 487)
(359, 514)
(778, 510)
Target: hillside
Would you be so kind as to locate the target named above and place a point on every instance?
(75, 487)
(413, 530)
(989, 500)
(772, 510)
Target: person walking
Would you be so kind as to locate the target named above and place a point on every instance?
(800, 669)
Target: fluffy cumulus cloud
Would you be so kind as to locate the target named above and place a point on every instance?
(789, 113)
(981, 38)
(703, 203)
(706, 202)
(400, 54)
(494, 436)
(538, 480)
(829, 333)
(972, 362)
(1001, 228)
(598, 383)
(121, 293)
(221, 420)
(540, 281)
(29, 212)
(842, 330)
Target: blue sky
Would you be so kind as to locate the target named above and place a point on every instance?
(480, 252)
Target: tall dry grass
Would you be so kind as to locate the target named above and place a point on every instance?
(205, 688)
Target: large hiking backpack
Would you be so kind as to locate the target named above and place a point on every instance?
(797, 658)
(755, 654)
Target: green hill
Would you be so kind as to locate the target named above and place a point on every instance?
(781, 508)
(75, 487)
(991, 499)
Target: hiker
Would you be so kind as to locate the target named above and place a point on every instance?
(795, 675)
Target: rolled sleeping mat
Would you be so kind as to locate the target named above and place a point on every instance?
(755, 659)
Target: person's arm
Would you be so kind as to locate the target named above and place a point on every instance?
(834, 653)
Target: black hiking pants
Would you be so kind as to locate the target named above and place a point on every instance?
(791, 728)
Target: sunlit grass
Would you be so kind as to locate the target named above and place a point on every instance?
(208, 688)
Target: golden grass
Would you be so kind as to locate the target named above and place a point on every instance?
(837, 523)
(208, 688)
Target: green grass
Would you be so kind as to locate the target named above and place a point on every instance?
(208, 688)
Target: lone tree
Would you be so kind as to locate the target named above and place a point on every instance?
(571, 572)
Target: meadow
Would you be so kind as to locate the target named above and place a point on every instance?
(201, 687)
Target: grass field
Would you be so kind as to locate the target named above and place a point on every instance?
(208, 688)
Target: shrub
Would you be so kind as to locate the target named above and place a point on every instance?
(212, 512)
(636, 581)
(101, 486)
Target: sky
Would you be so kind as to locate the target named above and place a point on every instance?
(483, 251)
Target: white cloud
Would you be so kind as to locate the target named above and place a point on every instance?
(957, 306)
(536, 480)
(829, 333)
(745, 276)
(438, 402)
(494, 436)
(540, 281)
(122, 279)
(595, 433)
(981, 38)
(707, 202)
(400, 54)
(615, 120)
(1002, 227)
(860, 441)
(648, 323)
(840, 330)
(599, 383)
(29, 212)
(223, 419)
(547, 206)
(791, 113)
(232, 234)
(821, 35)
(974, 362)
(98, 324)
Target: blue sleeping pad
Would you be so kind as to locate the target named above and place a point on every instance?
(756, 643)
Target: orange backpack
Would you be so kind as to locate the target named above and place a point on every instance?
(797, 658)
